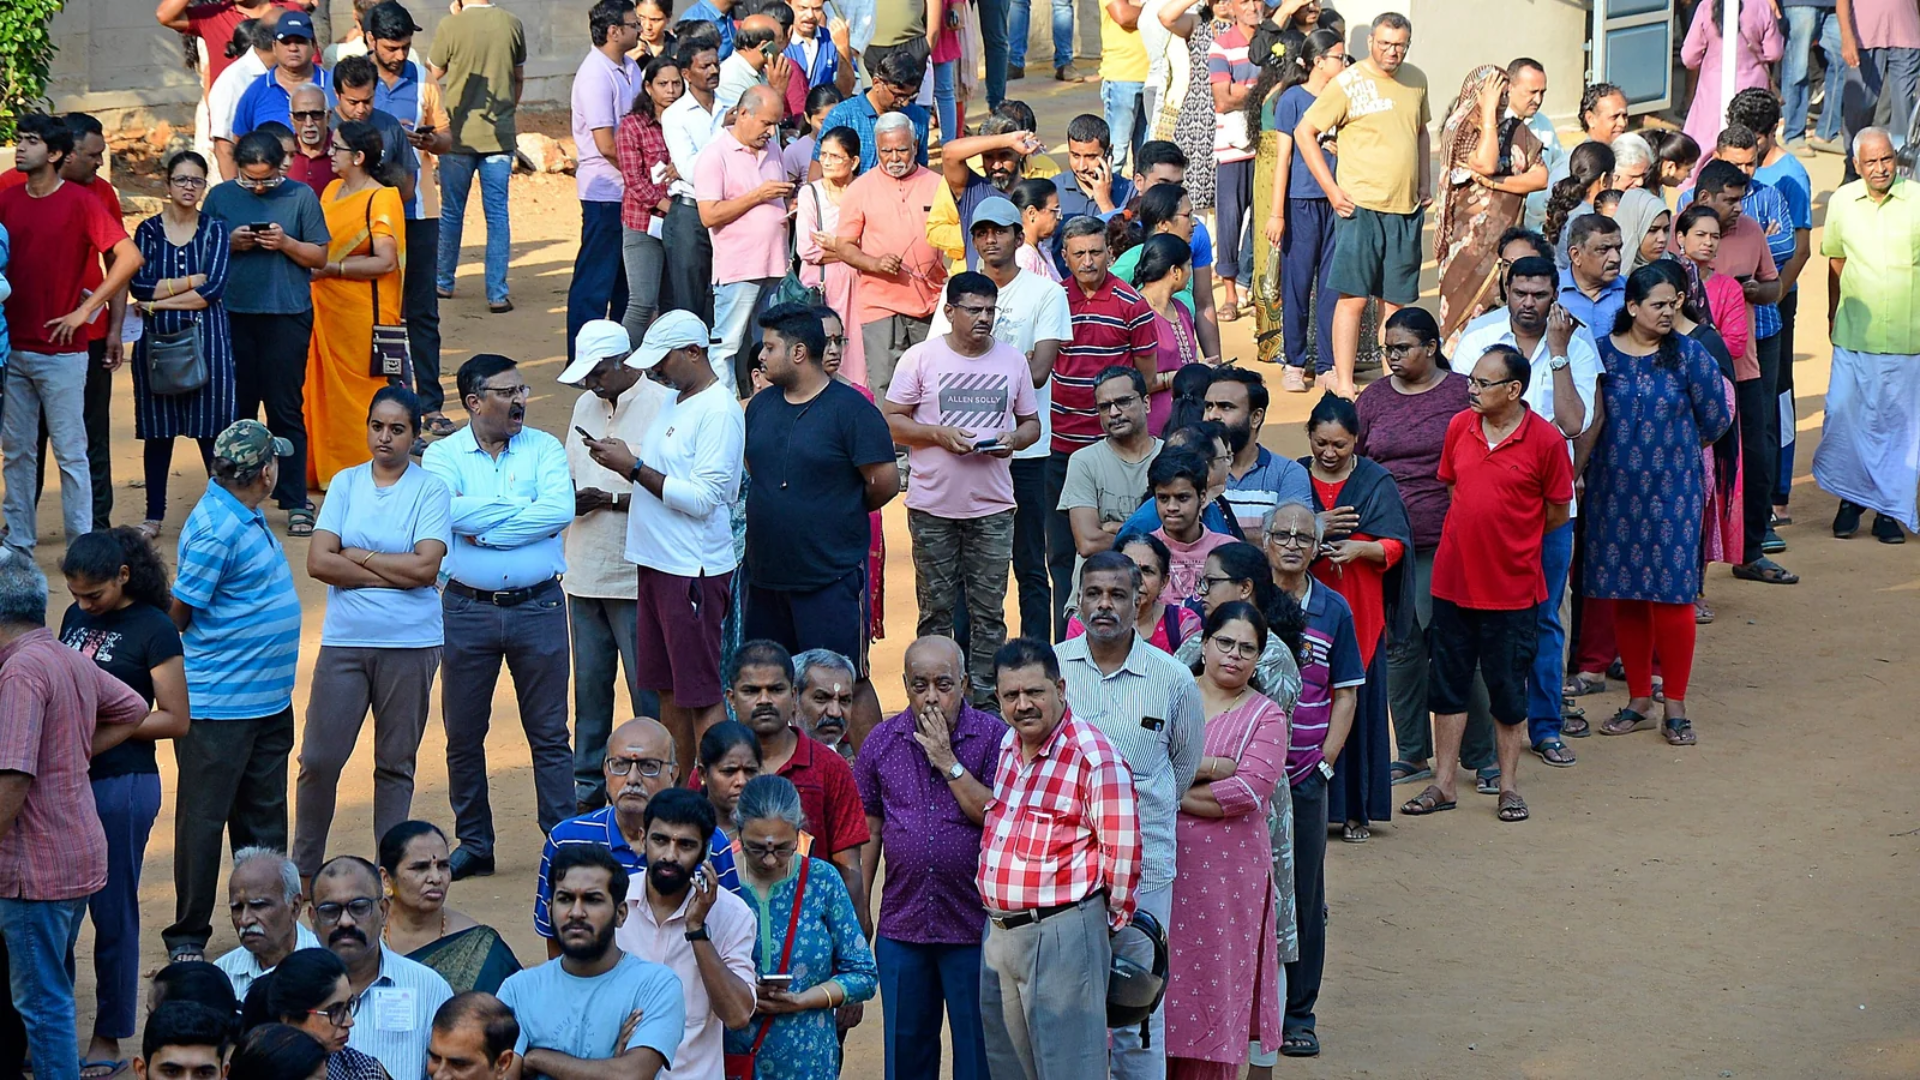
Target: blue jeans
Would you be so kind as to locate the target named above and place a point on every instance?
(1019, 25)
(1120, 103)
(599, 289)
(456, 182)
(735, 305)
(1807, 26)
(36, 946)
(943, 98)
(1549, 663)
(127, 805)
(1880, 92)
(993, 34)
(914, 982)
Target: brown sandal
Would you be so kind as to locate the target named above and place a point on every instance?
(1429, 801)
(1512, 807)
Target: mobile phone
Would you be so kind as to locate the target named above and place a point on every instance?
(777, 982)
(261, 226)
(987, 445)
(583, 432)
(424, 130)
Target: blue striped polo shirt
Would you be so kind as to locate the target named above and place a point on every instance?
(244, 640)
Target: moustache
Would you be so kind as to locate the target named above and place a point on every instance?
(346, 933)
(577, 924)
(252, 932)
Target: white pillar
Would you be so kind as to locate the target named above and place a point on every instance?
(1729, 53)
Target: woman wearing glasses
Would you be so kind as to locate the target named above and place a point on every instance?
(1225, 906)
(177, 289)
(415, 871)
(808, 931)
(309, 991)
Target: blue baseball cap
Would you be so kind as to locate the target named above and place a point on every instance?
(293, 24)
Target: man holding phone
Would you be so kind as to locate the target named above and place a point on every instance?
(686, 921)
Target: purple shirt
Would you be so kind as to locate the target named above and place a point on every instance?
(932, 849)
(602, 94)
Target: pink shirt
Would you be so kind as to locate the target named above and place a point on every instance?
(1886, 24)
(731, 925)
(1188, 564)
(981, 395)
(753, 245)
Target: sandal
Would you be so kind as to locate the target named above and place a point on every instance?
(1580, 684)
(1512, 807)
(1228, 313)
(1487, 781)
(186, 954)
(102, 1070)
(1406, 772)
(1574, 725)
(1702, 611)
(1781, 517)
(1301, 1043)
(150, 529)
(1355, 833)
(1555, 753)
(439, 425)
(1766, 571)
(1625, 722)
(1679, 731)
(300, 520)
(1427, 802)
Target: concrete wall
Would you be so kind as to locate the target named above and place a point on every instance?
(1451, 38)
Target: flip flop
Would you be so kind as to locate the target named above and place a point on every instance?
(1427, 802)
(1679, 732)
(1555, 753)
(1355, 834)
(1625, 722)
(1301, 1043)
(1487, 781)
(1406, 772)
(1767, 572)
(1579, 685)
(101, 1070)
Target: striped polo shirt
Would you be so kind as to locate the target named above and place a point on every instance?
(244, 640)
(1113, 326)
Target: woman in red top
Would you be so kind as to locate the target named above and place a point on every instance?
(1367, 537)
(645, 173)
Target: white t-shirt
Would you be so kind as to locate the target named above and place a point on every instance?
(699, 444)
(223, 97)
(1030, 309)
(393, 519)
(596, 544)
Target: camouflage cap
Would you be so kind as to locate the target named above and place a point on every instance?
(248, 444)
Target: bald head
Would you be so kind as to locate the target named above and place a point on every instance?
(758, 38)
(307, 96)
(644, 736)
(935, 675)
(636, 748)
(758, 117)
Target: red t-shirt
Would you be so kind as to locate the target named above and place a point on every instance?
(215, 24)
(1489, 557)
(56, 243)
(828, 795)
(96, 270)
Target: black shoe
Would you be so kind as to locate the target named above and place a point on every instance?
(1888, 531)
(466, 864)
(1016, 71)
(1846, 520)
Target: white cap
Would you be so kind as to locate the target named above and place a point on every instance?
(599, 340)
(673, 330)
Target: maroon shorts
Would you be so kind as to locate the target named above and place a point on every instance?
(676, 644)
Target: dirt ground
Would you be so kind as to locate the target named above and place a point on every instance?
(1739, 909)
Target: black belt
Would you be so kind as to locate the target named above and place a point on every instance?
(498, 597)
(1027, 918)
(686, 201)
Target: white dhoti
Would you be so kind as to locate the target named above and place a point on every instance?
(1870, 441)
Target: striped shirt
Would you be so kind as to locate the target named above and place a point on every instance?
(1229, 65)
(1330, 660)
(1149, 710)
(244, 640)
(1271, 481)
(599, 827)
(243, 968)
(396, 1015)
(1113, 326)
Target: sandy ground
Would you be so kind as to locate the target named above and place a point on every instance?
(1742, 908)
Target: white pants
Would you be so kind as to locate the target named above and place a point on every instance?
(1870, 441)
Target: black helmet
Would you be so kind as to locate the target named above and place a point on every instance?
(1137, 979)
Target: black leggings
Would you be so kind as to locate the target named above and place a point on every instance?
(159, 462)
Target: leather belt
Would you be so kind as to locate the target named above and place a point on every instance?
(498, 597)
(685, 201)
(1028, 918)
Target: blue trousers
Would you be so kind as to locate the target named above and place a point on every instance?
(1019, 25)
(993, 34)
(1807, 26)
(915, 980)
(1549, 663)
(1306, 254)
(1123, 105)
(127, 805)
(36, 951)
(456, 183)
(599, 289)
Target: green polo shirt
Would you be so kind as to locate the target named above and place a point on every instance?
(1880, 284)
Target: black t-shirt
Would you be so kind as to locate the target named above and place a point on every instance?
(807, 523)
(127, 644)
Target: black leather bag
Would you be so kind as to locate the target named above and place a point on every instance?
(176, 363)
(390, 357)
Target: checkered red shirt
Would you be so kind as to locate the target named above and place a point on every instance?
(1061, 825)
(640, 145)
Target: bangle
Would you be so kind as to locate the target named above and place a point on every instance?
(369, 558)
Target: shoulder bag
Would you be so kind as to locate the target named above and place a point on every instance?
(176, 362)
(742, 1066)
(791, 289)
(390, 358)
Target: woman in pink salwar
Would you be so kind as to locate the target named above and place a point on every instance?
(1224, 979)
(1760, 44)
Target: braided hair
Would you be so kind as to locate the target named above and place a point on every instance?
(1590, 162)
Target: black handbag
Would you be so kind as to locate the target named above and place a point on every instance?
(791, 290)
(390, 357)
(176, 363)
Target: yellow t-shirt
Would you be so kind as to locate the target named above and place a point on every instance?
(1378, 120)
(1123, 56)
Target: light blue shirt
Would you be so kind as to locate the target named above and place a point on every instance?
(244, 641)
(508, 512)
(581, 1017)
(1555, 158)
(393, 1016)
(392, 519)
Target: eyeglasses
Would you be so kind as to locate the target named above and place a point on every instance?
(763, 852)
(1121, 404)
(310, 114)
(1295, 539)
(337, 1013)
(194, 182)
(359, 909)
(1245, 650)
(510, 393)
(267, 184)
(1208, 581)
(1479, 383)
(645, 766)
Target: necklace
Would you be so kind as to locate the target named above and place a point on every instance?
(386, 932)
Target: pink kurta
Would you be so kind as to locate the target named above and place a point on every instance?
(1224, 985)
(836, 279)
(1761, 43)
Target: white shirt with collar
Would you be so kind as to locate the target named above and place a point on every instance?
(223, 97)
(688, 126)
(243, 968)
(393, 1016)
(1496, 328)
(699, 445)
(596, 559)
(508, 512)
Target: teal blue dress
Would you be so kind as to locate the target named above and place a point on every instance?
(828, 944)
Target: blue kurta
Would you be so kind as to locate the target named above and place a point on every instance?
(206, 412)
(1645, 484)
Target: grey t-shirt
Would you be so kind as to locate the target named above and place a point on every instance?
(269, 282)
(1097, 477)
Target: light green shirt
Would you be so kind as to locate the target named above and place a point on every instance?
(479, 48)
(1879, 308)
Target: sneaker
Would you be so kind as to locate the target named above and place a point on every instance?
(1888, 531)
(1292, 380)
(1846, 520)
(1771, 542)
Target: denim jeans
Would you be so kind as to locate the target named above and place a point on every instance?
(971, 553)
(1019, 26)
(456, 182)
(1880, 92)
(128, 805)
(915, 982)
(599, 288)
(1550, 662)
(1807, 26)
(993, 34)
(602, 648)
(36, 945)
(645, 257)
(55, 382)
(944, 105)
(1121, 104)
(735, 305)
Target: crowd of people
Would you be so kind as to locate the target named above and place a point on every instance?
(782, 319)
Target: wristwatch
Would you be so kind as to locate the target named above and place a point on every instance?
(955, 771)
(1558, 363)
(1326, 770)
(698, 935)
